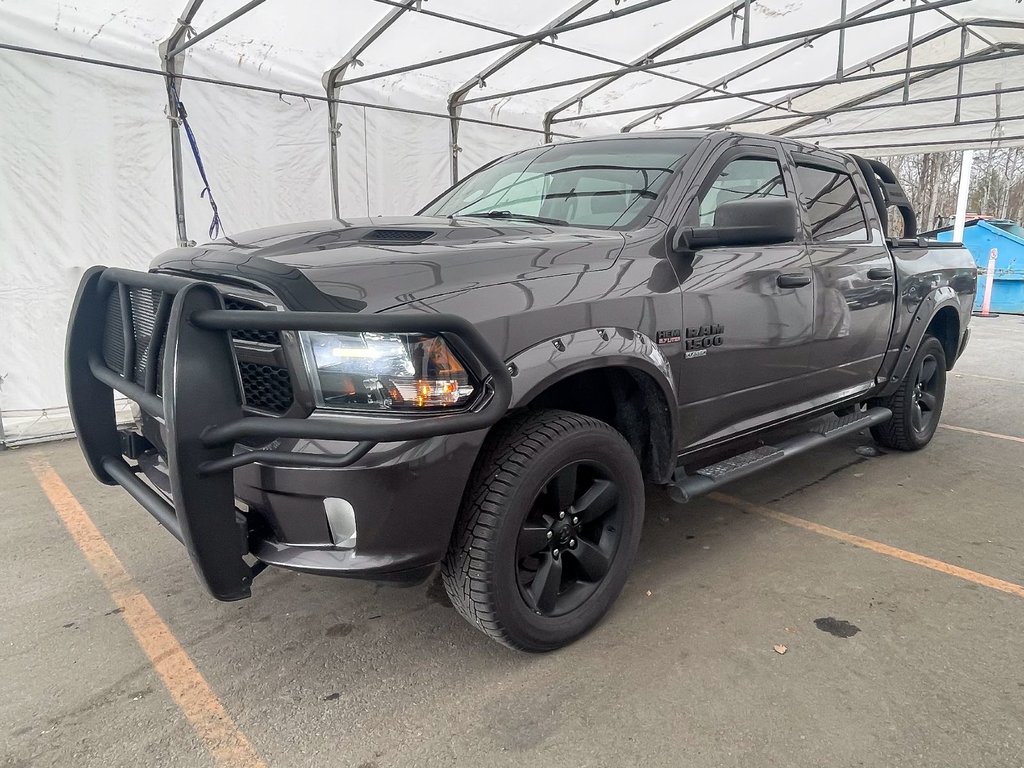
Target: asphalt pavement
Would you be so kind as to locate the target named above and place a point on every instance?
(886, 581)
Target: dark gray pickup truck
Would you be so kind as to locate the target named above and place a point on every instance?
(488, 384)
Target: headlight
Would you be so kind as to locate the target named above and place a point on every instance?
(385, 371)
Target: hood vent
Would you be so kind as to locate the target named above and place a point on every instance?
(397, 235)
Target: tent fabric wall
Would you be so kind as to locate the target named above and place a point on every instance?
(85, 169)
(85, 178)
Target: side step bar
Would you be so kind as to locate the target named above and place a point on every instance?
(706, 479)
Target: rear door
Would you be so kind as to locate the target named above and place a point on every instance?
(747, 311)
(854, 284)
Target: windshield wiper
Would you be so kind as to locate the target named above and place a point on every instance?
(510, 215)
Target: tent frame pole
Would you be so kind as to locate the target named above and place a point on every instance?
(182, 46)
(546, 42)
(479, 79)
(859, 104)
(910, 55)
(850, 107)
(553, 44)
(516, 40)
(967, 25)
(956, 144)
(183, 36)
(172, 68)
(332, 84)
(807, 87)
(317, 97)
(746, 21)
(960, 74)
(654, 65)
(926, 71)
(795, 45)
(650, 55)
(849, 75)
(901, 128)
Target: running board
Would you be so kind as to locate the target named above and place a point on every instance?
(706, 479)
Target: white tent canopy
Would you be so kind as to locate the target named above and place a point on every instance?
(367, 107)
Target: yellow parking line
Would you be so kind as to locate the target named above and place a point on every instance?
(177, 671)
(875, 546)
(983, 433)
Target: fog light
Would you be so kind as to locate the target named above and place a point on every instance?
(341, 519)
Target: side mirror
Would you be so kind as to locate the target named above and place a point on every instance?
(756, 221)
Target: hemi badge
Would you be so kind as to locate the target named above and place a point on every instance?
(670, 337)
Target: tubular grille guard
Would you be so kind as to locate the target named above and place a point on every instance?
(187, 377)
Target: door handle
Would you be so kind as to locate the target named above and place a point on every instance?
(879, 273)
(793, 280)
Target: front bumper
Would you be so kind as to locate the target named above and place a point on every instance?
(403, 499)
(183, 375)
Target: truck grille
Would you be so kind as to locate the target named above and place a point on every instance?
(144, 307)
(264, 387)
(243, 334)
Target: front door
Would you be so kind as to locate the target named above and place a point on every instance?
(747, 311)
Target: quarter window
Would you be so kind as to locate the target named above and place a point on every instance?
(831, 205)
(742, 179)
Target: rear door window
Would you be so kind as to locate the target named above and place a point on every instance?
(831, 205)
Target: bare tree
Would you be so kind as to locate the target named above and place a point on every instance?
(930, 181)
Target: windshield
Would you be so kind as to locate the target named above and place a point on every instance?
(609, 184)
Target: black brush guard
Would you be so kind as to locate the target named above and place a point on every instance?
(190, 383)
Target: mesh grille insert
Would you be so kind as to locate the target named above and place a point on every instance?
(245, 334)
(144, 306)
(264, 387)
(113, 335)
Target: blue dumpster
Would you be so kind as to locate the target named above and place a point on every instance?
(1007, 237)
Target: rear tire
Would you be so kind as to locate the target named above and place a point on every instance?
(917, 404)
(548, 529)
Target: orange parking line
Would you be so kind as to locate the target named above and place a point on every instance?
(983, 434)
(875, 546)
(177, 671)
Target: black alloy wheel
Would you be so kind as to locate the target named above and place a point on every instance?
(925, 395)
(549, 525)
(568, 539)
(917, 404)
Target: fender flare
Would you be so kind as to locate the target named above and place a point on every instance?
(537, 368)
(940, 298)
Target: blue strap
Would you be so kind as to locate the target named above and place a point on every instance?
(215, 223)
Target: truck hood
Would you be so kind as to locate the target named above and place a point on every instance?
(376, 263)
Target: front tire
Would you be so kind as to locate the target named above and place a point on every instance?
(917, 404)
(548, 529)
